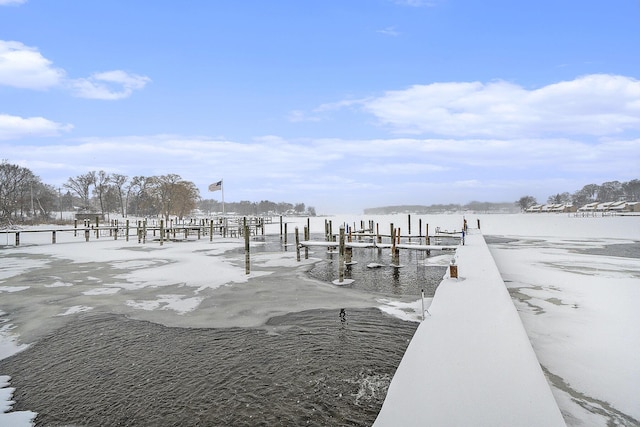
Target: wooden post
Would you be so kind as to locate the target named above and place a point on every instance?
(478, 224)
(409, 221)
(398, 235)
(127, 230)
(420, 229)
(341, 256)
(17, 238)
(161, 232)
(285, 236)
(453, 271)
(306, 237)
(281, 227)
(115, 230)
(348, 255)
(75, 227)
(86, 234)
(393, 240)
(211, 231)
(297, 246)
(53, 236)
(247, 260)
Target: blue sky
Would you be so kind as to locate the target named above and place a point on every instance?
(339, 104)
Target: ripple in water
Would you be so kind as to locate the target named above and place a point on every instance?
(309, 368)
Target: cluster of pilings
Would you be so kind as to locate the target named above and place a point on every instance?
(369, 236)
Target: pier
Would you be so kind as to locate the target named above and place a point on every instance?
(470, 362)
(154, 229)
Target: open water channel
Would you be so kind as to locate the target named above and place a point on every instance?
(316, 367)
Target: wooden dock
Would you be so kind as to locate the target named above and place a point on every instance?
(154, 230)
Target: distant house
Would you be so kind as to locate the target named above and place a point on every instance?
(589, 208)
(633, 206)
(624, 207)
(611, 207)
(552, 208)
(534, 208)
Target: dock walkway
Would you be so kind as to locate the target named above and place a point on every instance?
(470, 362)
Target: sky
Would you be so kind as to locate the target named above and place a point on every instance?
(341, 105)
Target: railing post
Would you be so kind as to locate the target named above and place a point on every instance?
(341, 256)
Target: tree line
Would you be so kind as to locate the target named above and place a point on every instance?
(611, 191)
(474, 206)
(25, 198)
(264, 207)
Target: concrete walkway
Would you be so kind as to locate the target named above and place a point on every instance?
(470, 363)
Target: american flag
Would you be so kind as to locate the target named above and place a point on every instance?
(215, 187)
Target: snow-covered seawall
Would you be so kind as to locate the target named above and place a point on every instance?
(470, 362)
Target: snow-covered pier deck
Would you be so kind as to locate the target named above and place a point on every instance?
(470, 362)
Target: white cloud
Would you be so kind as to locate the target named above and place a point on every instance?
(14, 127)
(389, 31)
(11, 2)
(594, 105)
(109, 85)
(298, 116)
(24, 67)
(344, 175)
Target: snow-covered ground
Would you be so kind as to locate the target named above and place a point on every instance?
(577, 308)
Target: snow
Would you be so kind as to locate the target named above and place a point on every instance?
(578, 309)
(472, 351)
(11, 419)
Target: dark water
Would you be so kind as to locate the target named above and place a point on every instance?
(415, 274)
(310, 368)
(625, 250)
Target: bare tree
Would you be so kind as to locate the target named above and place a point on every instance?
(101, 186)
(118, 182)
(526, 202)
(81, 185)
(185, 195)
(632, 190)
(559, 198)
(16, 184)
(174, 195)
